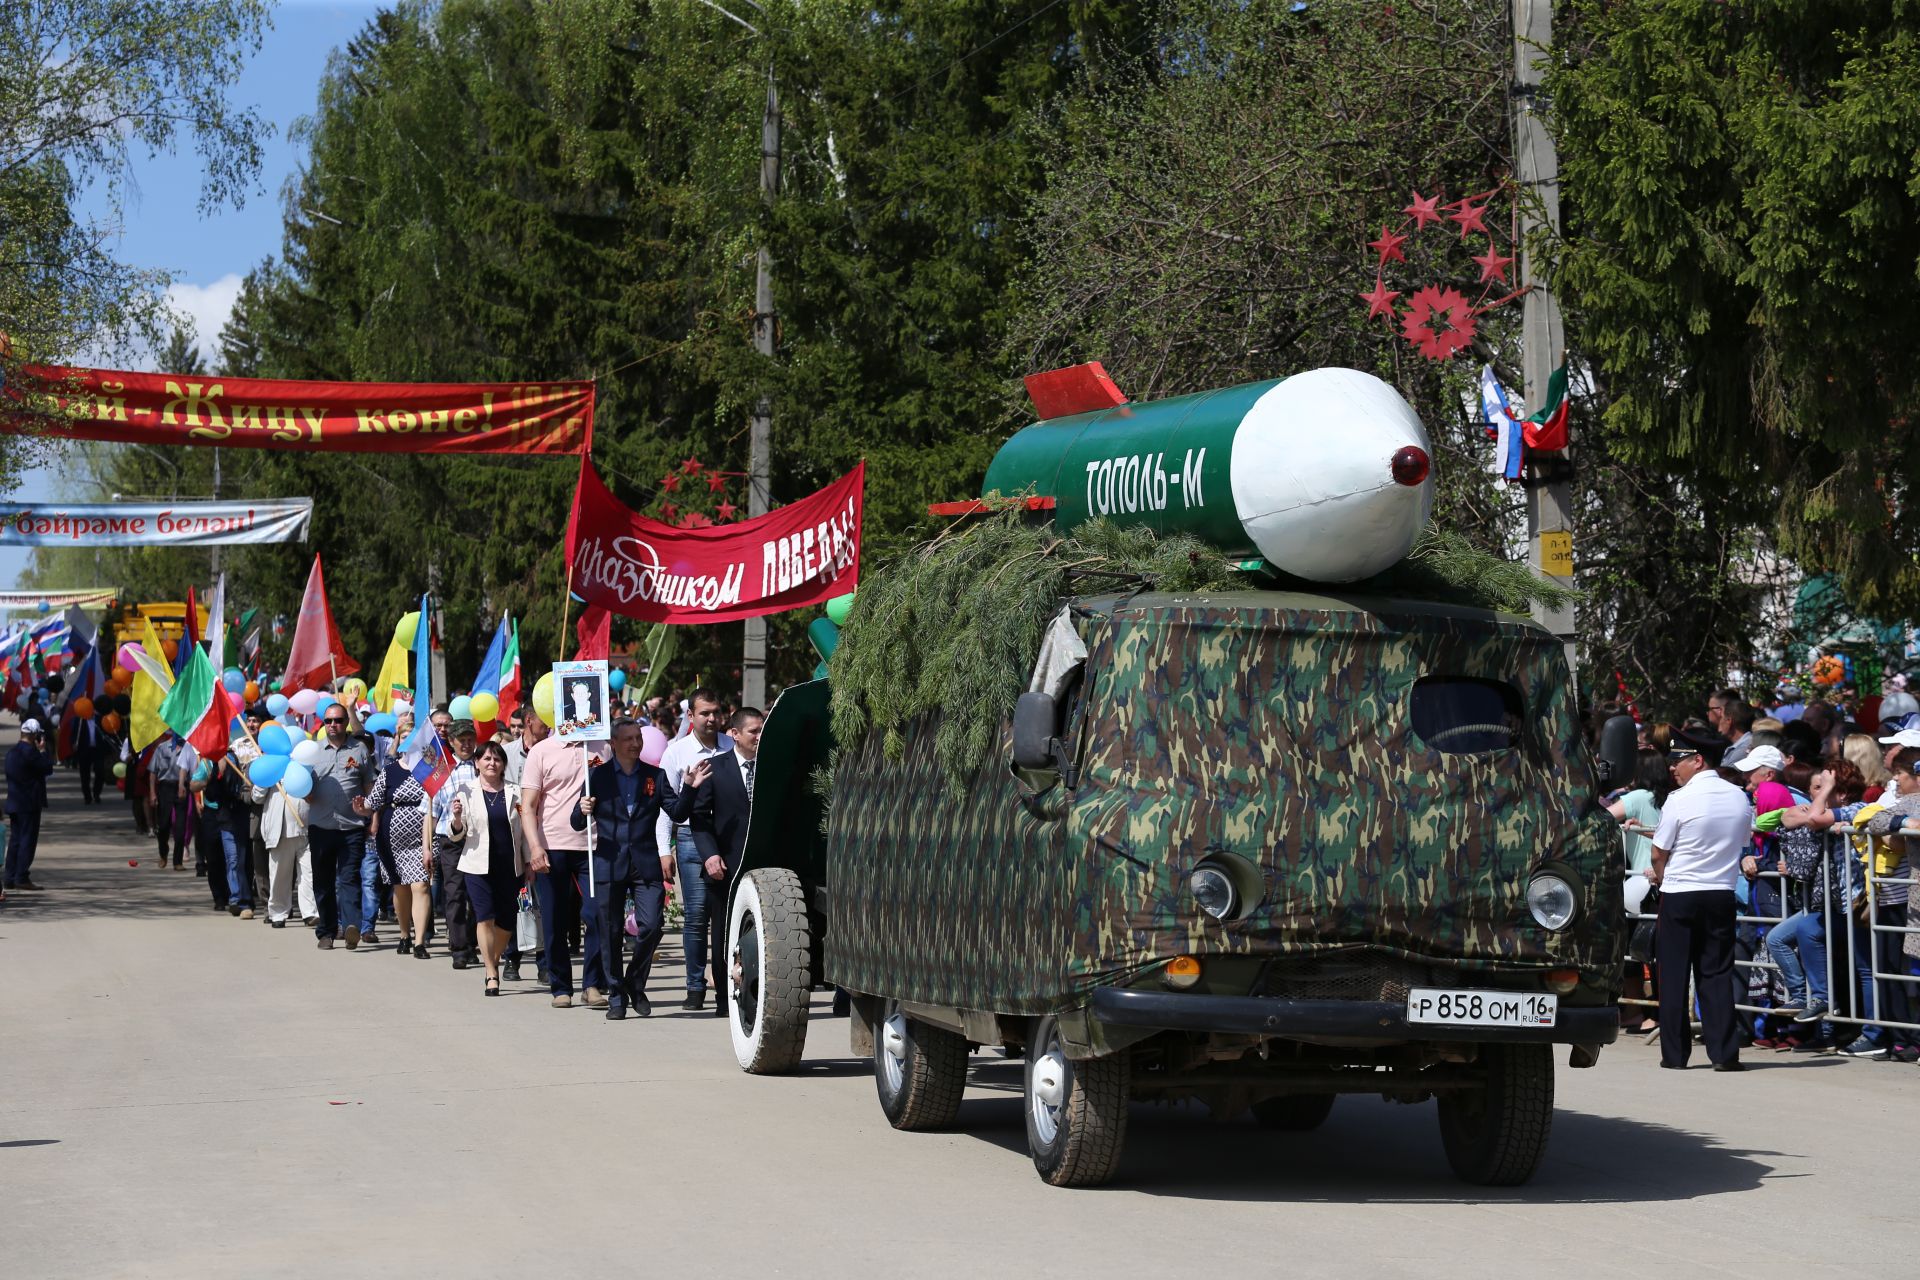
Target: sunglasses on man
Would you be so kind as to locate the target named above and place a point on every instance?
(334, 720)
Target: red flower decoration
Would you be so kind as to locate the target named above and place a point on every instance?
(1471, 217)
(669, 482)
(1423, 211)
(725, 510)
(695, 520)
(1380, 301)
(1493, 264)
(716, 482)
(668, 512)
(690, 465)
(1388, 245)
(1439, 322)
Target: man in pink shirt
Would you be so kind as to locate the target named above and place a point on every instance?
(550, 786)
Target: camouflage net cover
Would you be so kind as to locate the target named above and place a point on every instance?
(953, 625)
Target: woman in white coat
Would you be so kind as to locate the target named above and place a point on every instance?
(283, 830)
(485, 818)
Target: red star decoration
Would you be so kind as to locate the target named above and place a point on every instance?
(1439, 322)
(668, 512)
(1388, 245)
(669, 482)
(715, 482)
(690, 465)
(725, 510)
(1423, 211)
(694, 520)
(1471, 218)
(1380, 301)
(1493, 265)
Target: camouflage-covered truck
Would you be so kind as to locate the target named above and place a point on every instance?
(1256, 847)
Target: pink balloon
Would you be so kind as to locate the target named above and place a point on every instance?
(125, 659)
(653, 744)
(304, 701)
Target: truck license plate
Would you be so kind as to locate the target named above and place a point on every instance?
(1481, 1008)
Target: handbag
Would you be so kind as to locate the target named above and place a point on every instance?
(1640, 942)
(526, 932)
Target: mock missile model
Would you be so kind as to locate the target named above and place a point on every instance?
(1326, 475)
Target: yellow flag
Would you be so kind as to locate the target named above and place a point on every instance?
(393, 671)
(148, 694)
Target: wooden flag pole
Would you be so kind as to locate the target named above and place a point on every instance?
(566, 603)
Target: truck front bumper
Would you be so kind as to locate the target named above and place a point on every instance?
(1338, 1019)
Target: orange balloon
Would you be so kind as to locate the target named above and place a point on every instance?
(171, 648)
(251, 693)
(83, 707)
(110, 722)
(122, 676)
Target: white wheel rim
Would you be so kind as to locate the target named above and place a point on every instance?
(893, 1056)
(746, 905)
(1046, 1093)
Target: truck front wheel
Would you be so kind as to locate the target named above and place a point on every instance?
(919, 1070)
(1496, 1135)
(770, 971)
(1076, 1111)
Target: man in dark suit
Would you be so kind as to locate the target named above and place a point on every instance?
(625, 798)
(721, 807)
(29, 763)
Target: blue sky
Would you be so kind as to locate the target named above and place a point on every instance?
(163, 227)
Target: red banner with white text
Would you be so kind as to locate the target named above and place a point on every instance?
(803, 554)
(552, 418)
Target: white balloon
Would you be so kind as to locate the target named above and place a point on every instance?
(307, 753)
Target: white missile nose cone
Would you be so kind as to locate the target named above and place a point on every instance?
(1332, 475)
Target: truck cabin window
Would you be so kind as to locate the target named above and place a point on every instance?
(1462, 715)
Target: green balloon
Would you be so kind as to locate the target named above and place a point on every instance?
(840, 608)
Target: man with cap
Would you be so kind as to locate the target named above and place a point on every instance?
(29, 763)
(456, 909)
(1705, 829)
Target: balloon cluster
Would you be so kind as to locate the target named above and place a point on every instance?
(285, 763)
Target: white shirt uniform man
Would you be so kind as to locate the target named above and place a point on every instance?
(702, 739)
(1706, 828)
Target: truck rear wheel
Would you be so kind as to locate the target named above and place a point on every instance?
(1294, 1112)
(1076, 1111)
(919, 1070)
(1496, 1135)
(771, 971)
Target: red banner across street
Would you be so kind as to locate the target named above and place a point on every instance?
(803, 554)
(550, 418)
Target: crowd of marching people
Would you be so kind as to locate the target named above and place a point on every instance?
(506, 850)
(1821, 949)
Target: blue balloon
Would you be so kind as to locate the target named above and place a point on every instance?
(267, 770)
(275, 741)
(298, 780)
(617, 679)
(276, 704)
(461, 708)
(381, 722)
(321, 703)
(44, 606)
(234, 680)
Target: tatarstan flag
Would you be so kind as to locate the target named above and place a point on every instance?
(510, 674)
(1546, 429)
(197, 708)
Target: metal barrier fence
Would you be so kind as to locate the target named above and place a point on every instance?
(1874, 954)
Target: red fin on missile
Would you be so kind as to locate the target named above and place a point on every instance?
(979, 507)
(1078, 388)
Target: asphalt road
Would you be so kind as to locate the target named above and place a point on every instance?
(190, 1094)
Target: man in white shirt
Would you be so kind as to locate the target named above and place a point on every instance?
(1706, 826)
(702, 739)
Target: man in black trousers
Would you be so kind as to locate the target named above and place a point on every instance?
(626, 797)
(722, 807)
(28, 764)
(1706, 827)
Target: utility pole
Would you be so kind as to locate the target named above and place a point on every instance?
(216, 494)
(1536, 167)
(753, 666)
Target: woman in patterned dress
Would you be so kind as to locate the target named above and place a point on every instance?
(399, 799)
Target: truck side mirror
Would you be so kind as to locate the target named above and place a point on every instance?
(1034, 720)
(1619, 752)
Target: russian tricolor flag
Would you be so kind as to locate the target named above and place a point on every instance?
(429, 760)
(1503, 424)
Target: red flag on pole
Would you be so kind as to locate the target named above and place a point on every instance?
(317, 654)
(595, 629)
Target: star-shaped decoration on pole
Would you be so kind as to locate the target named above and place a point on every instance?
(690, 465)
(1380, 301)
(669, 482)
(695, 520)
(668, 512)
(1439, 322)
(725, 510)
(1493, 264)
(715, 482)
(1471, 217)
(1388, 245)
(1423, 211)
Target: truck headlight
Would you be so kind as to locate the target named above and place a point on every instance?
(1552, 901)
(1213, 889)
